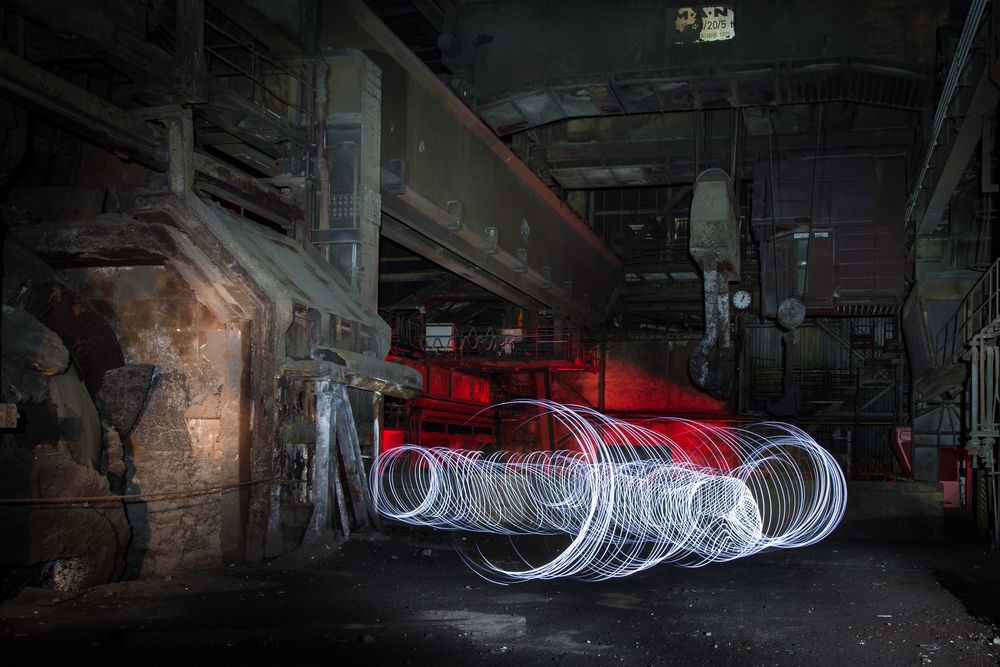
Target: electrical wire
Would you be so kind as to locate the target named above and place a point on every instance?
(812, 207)
(142, 497)
(769, 194)
(627, 496)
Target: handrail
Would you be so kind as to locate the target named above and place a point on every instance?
(538, 342)
(260, 92)
(490, 341)
(978, 314)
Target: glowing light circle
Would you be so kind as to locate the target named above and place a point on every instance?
(627, 495)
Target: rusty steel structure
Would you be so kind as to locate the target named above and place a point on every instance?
(251, 245)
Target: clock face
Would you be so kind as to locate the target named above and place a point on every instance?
(741, 300)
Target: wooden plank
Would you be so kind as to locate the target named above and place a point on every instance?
(337, 493)
(321, 463)
(350, 452)
(373, 517)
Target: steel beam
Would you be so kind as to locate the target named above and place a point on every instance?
(431, 12)
(254, 125)
(410, 238)
(446, 289)
(875, 140)
(109, 31)
(413, 276)
(87, 115)
(447, 231)
(456, 186)
(131, 133)
(532, 63)
(218, 178)
(595, 159)
(952, 157)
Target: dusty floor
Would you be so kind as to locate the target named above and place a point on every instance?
(408, 599)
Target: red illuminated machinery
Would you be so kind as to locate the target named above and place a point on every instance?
(449, 413)
(466, 370)
(393, 438)
(954, 472)
(689, 438)
(954, 468)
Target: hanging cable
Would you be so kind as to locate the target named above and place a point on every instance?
(732, 144)
(773, 210)
(144, 497)
(697, 144)
(812, 206)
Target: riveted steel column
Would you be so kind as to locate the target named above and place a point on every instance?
(347, 235)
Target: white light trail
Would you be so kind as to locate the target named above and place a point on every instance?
(627, 496)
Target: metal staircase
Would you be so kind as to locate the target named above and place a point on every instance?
(972, 335)
(858, 337)
(977, 317)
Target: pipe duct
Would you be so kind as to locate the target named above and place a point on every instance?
(715, 246)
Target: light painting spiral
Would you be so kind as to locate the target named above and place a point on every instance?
(627, 496)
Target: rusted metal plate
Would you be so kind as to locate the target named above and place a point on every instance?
(90, 339)
(350, 455)
(829, 233)
(123, 393)
(8, 415)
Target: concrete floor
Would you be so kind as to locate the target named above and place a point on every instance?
(407, 599)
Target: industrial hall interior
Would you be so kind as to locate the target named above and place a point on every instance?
(504, 332)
